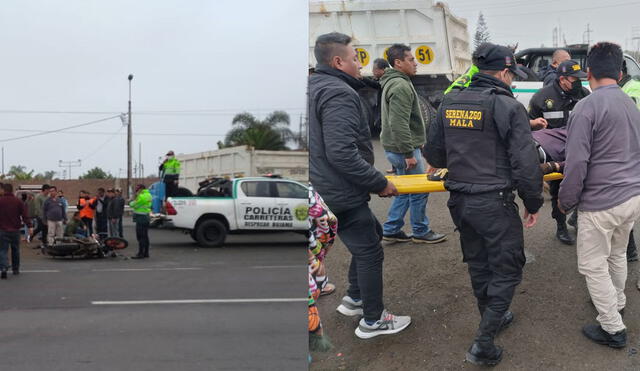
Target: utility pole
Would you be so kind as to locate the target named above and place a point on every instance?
(635, 36)
(139, 160)
(129, 139)
(587, 33)
(69, 165)
(2, 160)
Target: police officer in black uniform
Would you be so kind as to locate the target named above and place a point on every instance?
(482, 135)
(554, 102)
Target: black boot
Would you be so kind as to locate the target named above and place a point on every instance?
(563, 235)
(600, 336)
(483, 351)
(632, 250)
(507, 318)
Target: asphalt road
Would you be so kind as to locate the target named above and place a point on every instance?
(241, 307)
(431, 284)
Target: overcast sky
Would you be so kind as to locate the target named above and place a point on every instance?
(531, 23)
(209, 59)
(222, 57)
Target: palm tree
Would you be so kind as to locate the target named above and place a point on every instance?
(272, 133)
(19, 172)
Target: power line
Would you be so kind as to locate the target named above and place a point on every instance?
(113, 135)
(564, 11)
(203, 112)
(175, 134)
(59, 130)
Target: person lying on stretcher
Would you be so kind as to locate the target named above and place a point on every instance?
(550, 145)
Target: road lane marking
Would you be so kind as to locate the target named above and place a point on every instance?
(201, 301)
(144, 269)
(41, 271)
(277, 266)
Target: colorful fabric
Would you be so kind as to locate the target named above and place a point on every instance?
(323, 227)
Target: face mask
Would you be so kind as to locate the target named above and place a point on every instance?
(576, 87)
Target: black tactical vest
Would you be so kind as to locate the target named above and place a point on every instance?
(475, 151)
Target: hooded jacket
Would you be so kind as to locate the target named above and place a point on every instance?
(340, 150)
(403, 127)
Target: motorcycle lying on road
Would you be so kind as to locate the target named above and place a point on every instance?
(92, 247)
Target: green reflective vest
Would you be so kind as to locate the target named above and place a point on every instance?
(632, 88)
(172, 166)
(464, 80)
(142, 203)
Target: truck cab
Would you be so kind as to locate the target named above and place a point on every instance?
(241, 205)
(537, 58)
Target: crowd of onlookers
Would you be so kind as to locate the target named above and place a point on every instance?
(45, 216)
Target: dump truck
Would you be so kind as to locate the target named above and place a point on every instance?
(241, 161)
(438, 39)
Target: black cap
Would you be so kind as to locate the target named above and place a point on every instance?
(495, 58)
(570, 68)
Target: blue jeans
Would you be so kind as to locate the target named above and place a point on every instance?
(9, 240)
(417, 203)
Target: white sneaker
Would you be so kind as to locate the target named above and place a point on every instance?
(350, 307)
(386, 325)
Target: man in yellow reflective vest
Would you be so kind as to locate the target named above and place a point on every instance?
(141, 208)
(170, 172)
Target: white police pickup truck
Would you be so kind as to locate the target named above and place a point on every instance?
(240, 205)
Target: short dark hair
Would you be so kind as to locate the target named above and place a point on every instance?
(7, 187)
(326, 46)
(100, 189)
(53, 187)
(605, 60)
(381, 63)
(396, 51)
(77, 213)
(45, 187)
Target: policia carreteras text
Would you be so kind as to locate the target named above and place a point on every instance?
(487, 159)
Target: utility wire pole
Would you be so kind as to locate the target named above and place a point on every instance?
(129, 139)
(69, 164)
(588, 35)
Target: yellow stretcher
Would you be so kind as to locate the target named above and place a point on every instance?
(419, 184)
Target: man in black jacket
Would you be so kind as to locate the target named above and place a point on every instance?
(341, 169)
(482, 135)
(115, 210)
(102, 224)
(554, 103)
